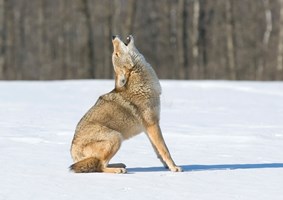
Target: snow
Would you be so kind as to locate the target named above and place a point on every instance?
(227, 136)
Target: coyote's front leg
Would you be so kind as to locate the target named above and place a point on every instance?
(156, 138)
(158, 155)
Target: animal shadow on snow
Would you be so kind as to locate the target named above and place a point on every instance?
(188, 168)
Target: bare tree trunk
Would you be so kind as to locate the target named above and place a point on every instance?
(108, 32)
(116, 12)
(229, 39)
(9, 38)
(179, 39)
(195, 37)
(90, 43)
(203, 37)
(130, 20)
(266, 37)
(280, 43)
(1, 39)
(268, 18)
(173, 31)
(40, 35)
(182, 40)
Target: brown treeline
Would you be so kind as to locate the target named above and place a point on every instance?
(182, 39)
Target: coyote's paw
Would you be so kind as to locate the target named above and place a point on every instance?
(114, 170)
(121, 171)
(176, 169)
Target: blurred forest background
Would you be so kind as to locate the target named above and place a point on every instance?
(182, 39)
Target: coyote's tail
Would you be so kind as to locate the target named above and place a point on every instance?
(87, 165)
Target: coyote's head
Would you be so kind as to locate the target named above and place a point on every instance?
(122, 60)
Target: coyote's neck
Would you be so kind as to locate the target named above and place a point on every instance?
(143, 78)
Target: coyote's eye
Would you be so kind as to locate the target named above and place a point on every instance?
(128, 40)
(116, 54)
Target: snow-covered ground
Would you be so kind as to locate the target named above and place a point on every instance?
(227, 136)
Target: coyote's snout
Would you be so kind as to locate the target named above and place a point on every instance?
(131, 108)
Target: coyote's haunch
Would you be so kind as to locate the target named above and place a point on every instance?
(132, 107)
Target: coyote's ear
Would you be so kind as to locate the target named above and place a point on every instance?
(120, 80)
(130, 41)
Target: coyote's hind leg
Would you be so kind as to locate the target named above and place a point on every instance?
(102, 145)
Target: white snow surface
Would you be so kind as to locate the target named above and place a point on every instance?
(227, 136)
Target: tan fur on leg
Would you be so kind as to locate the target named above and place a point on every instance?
(156, 138)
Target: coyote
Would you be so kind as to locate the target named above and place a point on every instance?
(132, 107)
